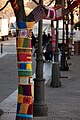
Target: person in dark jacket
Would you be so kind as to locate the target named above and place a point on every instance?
(48, 37)
(33, 40)
(48, 55)
(44, 40)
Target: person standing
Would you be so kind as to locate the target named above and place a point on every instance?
(44, 40)
(48, 37)
(33, 40)
(48, 55)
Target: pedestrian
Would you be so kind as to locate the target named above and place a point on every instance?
(48, 54)
(33, 40)
(44, 40)
(48, 37)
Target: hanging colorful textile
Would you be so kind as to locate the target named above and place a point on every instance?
(39, 13)
(53, 40)
(24, 63)
(51, 14)
(54, 13)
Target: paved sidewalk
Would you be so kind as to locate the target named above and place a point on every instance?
(63, 102)
(8, 46)
(9, 82)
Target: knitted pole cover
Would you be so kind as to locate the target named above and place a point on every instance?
(24, 63)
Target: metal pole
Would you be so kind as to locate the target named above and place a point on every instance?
(39, 106)
(79, 13)
(72, 23)
(64, 65)
(56, 54)
(67, 30)
(55, 82)
(63, 56)
(1, 48)
(67, 39)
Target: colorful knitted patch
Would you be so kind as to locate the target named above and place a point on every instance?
(23, 42)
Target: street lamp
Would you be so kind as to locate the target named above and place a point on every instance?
(55, 82)
(39, 106)
(64, 65)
